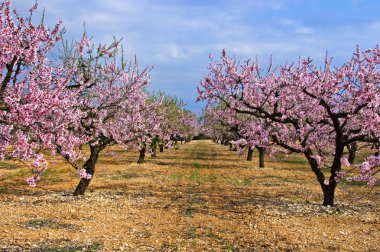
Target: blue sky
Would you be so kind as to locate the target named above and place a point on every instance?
(177, 35)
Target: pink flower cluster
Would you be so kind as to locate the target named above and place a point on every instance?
(317, 111)
(83, 174)
(369, 171)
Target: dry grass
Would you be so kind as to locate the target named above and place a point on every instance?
(201, 197)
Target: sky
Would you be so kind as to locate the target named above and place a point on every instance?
(176, 36)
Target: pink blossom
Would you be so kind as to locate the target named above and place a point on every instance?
(344, 161)
(31, 182)
(84, 174)
(301, 107)
(318, 159)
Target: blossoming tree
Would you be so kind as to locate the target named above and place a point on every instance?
(244, 132)
(178, 123)
(34, 92)
(116, 108)
(310, 110)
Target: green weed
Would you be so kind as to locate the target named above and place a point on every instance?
(212, 178)
(6, 165)
(191, 232)
(195, 176)
(175, 176)
(197, 165)
(41, 223)
(91, 247)
(240, 182)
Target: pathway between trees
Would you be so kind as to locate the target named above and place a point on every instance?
(201, 197)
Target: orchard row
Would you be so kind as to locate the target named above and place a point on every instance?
(318, 112)
(90, 95)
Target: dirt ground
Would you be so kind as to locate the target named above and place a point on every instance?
(201, 197)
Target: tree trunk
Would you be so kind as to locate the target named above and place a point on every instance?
(154, 150)
(250, 154)
(161, 146)
(352, 152)
(376, 146)
(261, 156)
(58, 149)
(89, 166)
(328, 193)
(328, 187)
(142, 154)
(176, 145)
(224, 142)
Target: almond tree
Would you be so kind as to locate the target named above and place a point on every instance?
(34, 93)
(310, 110)
(178, 123)
(254, 133)
(214, 128)
(116, 108)
(188, 125)
(243, 131)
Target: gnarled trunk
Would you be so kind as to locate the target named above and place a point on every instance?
(250, 154)
(89, 166)
(142, 154)
(328, 186)
(261, 156)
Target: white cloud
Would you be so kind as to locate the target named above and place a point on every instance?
(178, 35)
(304, 30)
(297, 27)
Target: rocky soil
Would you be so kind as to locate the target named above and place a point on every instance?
(201, 197)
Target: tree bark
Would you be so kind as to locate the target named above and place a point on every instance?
(377, 147)
(250, 154)
(154, 152)
(161, 146)
(328, 193)
(261, 156)
(154, 149)
(89, 166)
(328, 187)
(352, 152)
(58, 149)
(142, 154)
(176, 145)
